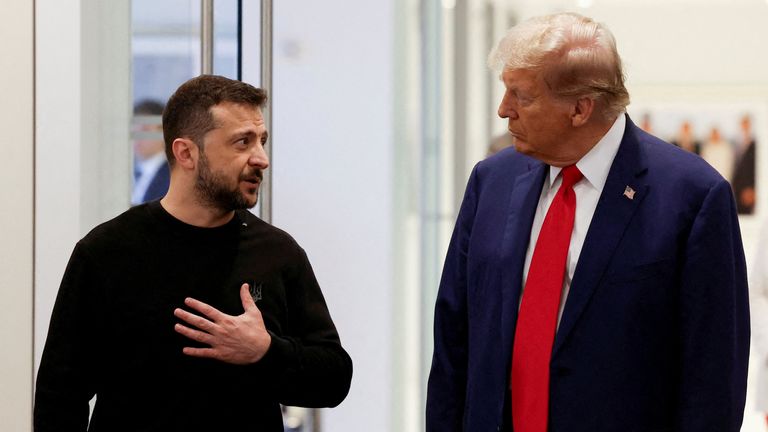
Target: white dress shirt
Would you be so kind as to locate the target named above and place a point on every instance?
(594, 166)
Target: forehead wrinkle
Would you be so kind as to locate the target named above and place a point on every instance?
(522, 79)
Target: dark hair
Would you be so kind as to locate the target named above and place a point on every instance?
(187, 113)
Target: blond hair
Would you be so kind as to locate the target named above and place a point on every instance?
(576, 55)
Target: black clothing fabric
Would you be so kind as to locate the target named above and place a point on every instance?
(744, 178)
(112, 330)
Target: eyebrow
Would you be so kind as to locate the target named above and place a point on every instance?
(249, 132)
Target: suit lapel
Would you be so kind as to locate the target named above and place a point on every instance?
(612, 215)
(522, 207)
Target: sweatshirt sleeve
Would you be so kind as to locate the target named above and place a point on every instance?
(65, 380)
(307, 361)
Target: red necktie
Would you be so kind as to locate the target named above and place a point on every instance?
(537, 319)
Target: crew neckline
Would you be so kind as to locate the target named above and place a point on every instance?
(181, 227)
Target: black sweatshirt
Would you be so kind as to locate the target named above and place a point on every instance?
(112, 329)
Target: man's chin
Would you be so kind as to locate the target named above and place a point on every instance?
(250, 201)
(249, 197)
(522, 147)
(242, 202)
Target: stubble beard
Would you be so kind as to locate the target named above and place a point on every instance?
(212, 190)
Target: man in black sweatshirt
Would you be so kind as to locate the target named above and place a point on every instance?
(190, 313)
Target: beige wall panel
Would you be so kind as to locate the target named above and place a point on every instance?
(16, 212)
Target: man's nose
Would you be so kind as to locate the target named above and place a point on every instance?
(259, 157)
(506, 110)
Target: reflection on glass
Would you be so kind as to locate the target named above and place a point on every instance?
(165, 45)
(225, 38)
(151, 173)
(166, 52)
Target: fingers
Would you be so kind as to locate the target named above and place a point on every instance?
(201, 352)
(240, 339)
(195, 335)
(194, 320)
(245, 297)
(205, 309)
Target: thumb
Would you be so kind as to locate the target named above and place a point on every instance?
(245, 297)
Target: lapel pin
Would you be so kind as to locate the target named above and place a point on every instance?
(629, 193)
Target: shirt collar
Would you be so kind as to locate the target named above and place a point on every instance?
(597, 162)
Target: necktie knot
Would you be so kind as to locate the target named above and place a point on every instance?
(571, 176)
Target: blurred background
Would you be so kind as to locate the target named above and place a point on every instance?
(379, 110)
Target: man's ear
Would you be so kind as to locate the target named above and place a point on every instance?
(186, 153)
(581, 111)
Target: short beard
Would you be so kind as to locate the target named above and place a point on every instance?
(212, 189)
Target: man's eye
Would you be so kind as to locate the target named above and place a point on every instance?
(524, 99)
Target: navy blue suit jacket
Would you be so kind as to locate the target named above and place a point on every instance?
(655, 331)
(158, 187)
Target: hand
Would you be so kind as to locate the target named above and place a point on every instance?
(239, 339)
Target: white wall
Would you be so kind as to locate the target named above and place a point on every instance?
(57, 188)
(333, 180)
(82, 108)
(16, 213)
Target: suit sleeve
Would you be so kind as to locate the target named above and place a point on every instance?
(714, 320)
(66, 378)
(307, 363)
(446, 392)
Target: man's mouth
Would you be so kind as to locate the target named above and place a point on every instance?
(253, 179)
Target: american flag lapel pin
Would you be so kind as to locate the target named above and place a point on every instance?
(629, 193)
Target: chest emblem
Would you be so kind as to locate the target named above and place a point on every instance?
(255, 289)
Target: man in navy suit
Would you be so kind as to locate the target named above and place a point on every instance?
(595, 280)
(152, 175)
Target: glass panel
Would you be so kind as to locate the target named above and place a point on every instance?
(166, 52)
(225, 38)
(165, 46)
